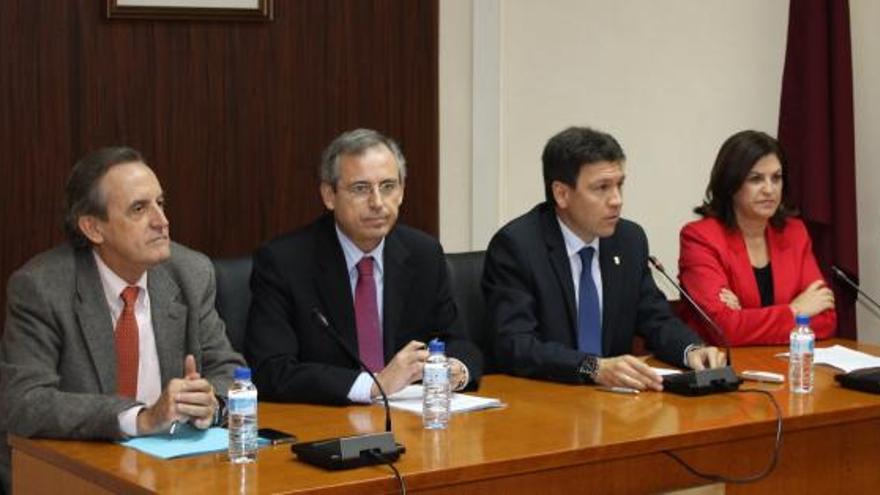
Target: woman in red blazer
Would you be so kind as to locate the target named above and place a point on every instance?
(748, 262)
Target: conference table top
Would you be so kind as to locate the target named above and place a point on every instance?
(543, 425)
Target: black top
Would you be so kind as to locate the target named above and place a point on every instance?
(765, 284)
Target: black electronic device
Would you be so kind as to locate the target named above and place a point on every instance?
(702, 382)
(350, 452)
(276, 437)
(354, 451)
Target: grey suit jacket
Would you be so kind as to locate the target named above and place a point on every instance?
(57, 355)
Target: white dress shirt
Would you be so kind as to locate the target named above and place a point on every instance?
(363, 385)
(360, 389)
(573, 245)
(149, 377)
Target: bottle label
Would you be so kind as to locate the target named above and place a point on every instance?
(435, 375)
(243, 402)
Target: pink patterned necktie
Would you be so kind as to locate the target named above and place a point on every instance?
(366, 312)
(127, 346)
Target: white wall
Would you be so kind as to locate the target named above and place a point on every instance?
(668, 79)
(866, 88)
(671, 80)
(456, 114)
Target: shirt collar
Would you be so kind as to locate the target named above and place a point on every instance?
(353, 254)
(573, 243)
(113, 284)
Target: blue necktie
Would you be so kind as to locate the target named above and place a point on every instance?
(589, 321)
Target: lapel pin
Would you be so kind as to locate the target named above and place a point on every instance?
(617, 260)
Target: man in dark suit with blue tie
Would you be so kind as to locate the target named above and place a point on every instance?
(568, 283)
(382, 286)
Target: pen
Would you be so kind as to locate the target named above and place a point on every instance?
(619, 390)
(173, 428)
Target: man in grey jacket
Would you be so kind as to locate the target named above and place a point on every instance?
(113, 334)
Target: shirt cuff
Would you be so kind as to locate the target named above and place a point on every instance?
(128, 420)
(467, 376)
(687, 350)
(360, 390)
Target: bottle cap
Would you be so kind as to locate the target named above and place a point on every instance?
(802, 320)
(242, 373)
(436, 345)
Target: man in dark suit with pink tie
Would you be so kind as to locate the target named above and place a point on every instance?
(383, 287)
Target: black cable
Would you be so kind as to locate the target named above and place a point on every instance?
(718, 478)
(385, 460)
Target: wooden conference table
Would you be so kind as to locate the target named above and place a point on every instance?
(551, 438)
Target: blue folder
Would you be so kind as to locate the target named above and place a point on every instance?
(187, 441)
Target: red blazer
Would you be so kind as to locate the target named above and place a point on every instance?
(713, 257)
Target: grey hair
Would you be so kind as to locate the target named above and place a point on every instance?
(82, 194)
(355, 143)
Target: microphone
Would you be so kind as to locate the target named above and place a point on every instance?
(354, 451)
(841, 275)
(701, 382)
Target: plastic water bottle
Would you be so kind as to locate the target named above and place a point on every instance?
(242, 402)
(435, 381)
(800, 357)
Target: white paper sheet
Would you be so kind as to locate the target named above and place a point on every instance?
(842, 358)
(410, 399)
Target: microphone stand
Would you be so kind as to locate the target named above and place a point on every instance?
(322, 322)
(354, 451)
(865, 379)
(702, 382)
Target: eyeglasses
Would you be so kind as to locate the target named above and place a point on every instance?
(363, 190)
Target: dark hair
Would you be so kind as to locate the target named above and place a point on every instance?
(82, 196)
(569, 150)
(735, 160)
(354, 143)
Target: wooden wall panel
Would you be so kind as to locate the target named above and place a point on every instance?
(231, 115)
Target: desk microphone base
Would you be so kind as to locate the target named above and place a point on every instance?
(349, 452)
(703, 382)
(866, 380)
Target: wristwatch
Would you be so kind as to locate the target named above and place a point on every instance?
(221, 414)
(589, 368)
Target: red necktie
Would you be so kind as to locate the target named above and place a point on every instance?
(366, 312)
(127, 346)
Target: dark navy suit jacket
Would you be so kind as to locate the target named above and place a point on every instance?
(529, 290)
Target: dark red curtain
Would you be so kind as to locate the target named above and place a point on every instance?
(816, 131)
